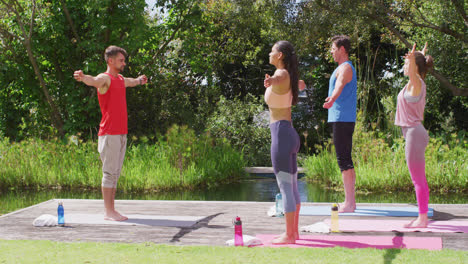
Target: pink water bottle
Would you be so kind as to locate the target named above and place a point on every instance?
(238, 239)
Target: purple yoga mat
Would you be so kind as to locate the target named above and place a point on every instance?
(398, 225)
(379, 242)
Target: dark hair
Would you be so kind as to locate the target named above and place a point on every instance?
(112, 51)
(291, 64)
(424, 63)
(342, 41)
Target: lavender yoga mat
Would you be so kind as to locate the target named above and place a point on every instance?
(134, 220)
(379, 242)
(356, 225)
(367, 211)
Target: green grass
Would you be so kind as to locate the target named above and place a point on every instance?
(182, 160)
(89, 252)
(381, 166)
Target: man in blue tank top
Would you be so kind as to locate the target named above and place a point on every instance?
(341, 104)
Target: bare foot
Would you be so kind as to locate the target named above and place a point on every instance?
(346, 208)
(296, 236)
(114, 216)
(417, 223)
(284, 239)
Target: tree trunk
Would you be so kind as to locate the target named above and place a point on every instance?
(54, 112)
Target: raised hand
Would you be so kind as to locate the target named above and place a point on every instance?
(423, 51)
(410, 55)
(143, 79)
(78, 75)
(267, 81)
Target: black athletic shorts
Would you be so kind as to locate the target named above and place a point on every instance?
(343, 141)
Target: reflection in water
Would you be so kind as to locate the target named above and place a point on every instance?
(261, 190)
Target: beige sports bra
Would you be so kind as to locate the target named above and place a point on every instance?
(275, 100)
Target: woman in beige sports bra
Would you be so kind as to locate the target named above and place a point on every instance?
(281, 93)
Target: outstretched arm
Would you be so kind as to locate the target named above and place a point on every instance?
(344, 76)
(277, 78)
(132, 82)
(101, 82)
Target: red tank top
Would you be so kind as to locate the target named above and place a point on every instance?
(113, 108)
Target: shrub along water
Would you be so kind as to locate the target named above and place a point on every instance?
(245, 124)
(380, 166)
(180, 160)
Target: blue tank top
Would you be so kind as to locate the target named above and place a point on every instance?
(344, 108)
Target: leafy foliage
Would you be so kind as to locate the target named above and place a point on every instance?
(197, 52)
(244, 123)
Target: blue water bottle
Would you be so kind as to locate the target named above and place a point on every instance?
(279, 205)
(60, 215)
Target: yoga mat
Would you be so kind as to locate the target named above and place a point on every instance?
(379, 242)
(134, 220)
(398, 225)
(367, 211)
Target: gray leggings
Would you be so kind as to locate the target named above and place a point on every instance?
(416, 141)
(285, 144)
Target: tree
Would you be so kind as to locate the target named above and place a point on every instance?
(24, 14)
(419, 21)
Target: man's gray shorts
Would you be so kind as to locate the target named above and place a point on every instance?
(112, 151)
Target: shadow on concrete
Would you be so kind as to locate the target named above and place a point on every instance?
(438, 215)
(202, 223)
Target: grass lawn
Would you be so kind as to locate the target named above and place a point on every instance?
(86, 252)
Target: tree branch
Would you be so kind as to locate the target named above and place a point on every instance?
(459, 7)
(390, 27)
(9, 34)
(70, 21)
(20, 23)
(435, 27)
(31, 22)
(178, 27)
(55, 117)
(446, 83)
(426, 24)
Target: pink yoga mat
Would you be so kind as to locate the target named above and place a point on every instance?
(398, 225)
(379, 242)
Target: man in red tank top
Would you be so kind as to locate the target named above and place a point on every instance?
(112, 141)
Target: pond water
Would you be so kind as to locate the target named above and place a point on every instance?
(254, 189)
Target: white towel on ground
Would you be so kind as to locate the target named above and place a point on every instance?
(45, 220)
(319, 227)
(248, 241)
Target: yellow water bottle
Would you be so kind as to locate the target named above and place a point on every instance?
(334, 218)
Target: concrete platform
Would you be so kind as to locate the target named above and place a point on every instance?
(213, 228)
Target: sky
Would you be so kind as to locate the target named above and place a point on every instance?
(150, 2)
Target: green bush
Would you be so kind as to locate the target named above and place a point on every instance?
(244, 123)
(181, 160)
(382, 167)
